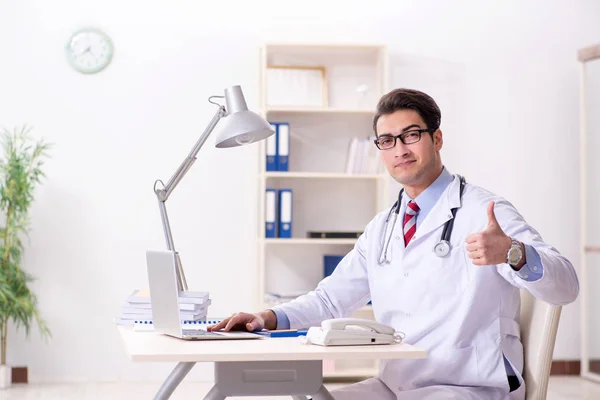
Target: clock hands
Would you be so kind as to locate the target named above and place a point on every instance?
(81, 52)
(90, 50)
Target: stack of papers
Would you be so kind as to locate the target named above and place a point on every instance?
(193, 306)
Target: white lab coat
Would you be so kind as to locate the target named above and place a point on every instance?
(465, 316)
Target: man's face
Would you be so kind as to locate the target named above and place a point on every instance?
(410, 164)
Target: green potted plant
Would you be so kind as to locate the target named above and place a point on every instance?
(20, 172)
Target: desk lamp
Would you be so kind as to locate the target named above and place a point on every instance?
(240, 126)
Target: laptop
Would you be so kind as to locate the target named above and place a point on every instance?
(164, 297)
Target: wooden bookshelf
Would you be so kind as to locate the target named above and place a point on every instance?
(325, 196)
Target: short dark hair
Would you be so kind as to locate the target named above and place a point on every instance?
(403, 99)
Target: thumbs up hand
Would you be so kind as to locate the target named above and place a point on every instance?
(491, 245)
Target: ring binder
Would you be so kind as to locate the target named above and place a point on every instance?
(271, 149)
(283, 146)
(285, 213)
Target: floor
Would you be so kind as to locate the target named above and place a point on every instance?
(560, 387)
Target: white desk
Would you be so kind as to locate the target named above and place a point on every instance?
(261, 367)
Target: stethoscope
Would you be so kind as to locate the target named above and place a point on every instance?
(441, 248)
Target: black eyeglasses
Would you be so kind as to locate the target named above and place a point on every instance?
(386, 142)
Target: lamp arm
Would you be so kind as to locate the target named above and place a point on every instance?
(163, 193)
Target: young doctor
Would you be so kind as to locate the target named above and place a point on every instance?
(458, 299)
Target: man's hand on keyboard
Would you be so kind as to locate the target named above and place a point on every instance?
(247, 322)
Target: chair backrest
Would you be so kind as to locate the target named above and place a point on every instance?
(539, 323)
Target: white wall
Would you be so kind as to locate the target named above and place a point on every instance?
(504, 74)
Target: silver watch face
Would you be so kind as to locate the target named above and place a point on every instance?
(514, 255)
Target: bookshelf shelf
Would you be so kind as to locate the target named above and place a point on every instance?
(294, 110)
(310, 241)
(325, 47)
(333, 171)
(321, 175)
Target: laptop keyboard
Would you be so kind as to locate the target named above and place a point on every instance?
(198, 332)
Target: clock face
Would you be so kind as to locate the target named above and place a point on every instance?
(89, 51)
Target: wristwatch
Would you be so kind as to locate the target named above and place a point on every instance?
(515, 254)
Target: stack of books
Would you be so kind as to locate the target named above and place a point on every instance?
(364, 157)
(193, 306)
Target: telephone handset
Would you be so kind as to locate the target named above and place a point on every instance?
(352, 331)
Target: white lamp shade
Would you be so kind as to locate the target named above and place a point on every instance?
(240, 126)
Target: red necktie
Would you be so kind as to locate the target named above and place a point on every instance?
(410, 221)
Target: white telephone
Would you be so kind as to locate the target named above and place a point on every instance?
(351, 331)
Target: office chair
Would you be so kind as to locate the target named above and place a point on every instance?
(539, 324)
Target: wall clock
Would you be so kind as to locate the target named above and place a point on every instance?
(89, 50)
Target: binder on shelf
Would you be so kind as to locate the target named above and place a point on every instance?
(285, 213)
(330, 262)
(283, 146)
(271, 213)
(272, 149)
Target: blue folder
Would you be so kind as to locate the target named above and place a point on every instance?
(329, 264)
(272, 149)
(283, 146)
(283, 333)
(271, 213)
(285, 213)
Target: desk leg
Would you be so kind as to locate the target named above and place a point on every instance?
(173, 380)
(323, 394)
(214, 394)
